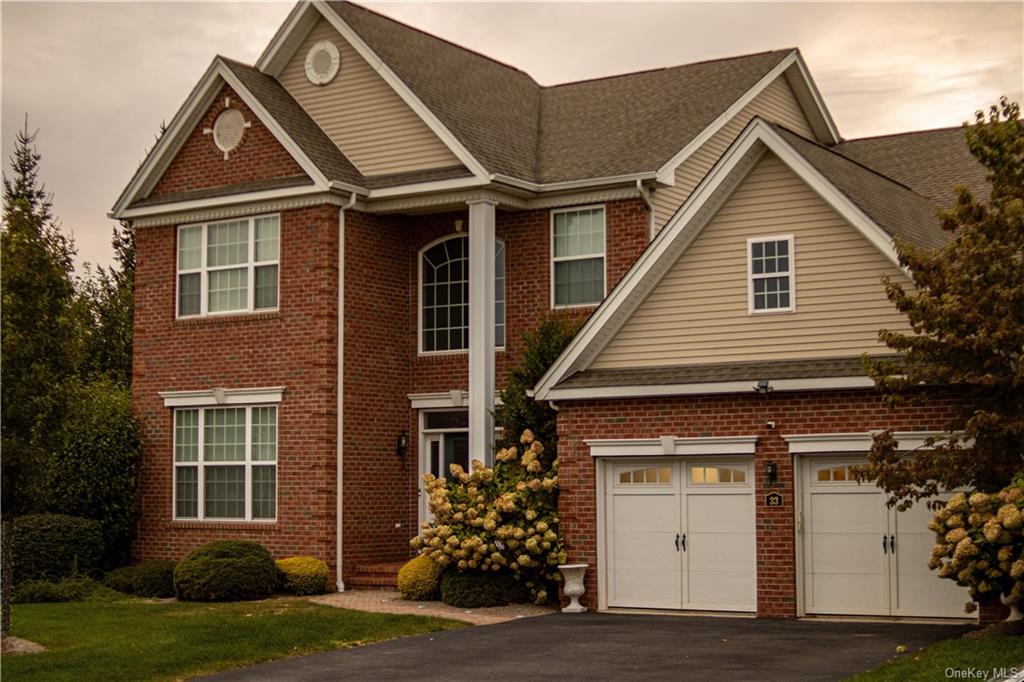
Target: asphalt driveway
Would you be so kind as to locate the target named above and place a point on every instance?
(617, 646)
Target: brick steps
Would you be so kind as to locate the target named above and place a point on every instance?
(382, 576)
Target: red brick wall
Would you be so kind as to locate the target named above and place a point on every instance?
(294, 348)
(200, 164)
(724, 415)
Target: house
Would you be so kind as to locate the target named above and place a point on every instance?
(339, 248)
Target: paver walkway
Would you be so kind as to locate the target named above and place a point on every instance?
(380, 601)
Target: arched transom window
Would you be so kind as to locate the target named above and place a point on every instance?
(444, 295)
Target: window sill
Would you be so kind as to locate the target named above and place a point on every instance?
(262, 526)
(229, 318)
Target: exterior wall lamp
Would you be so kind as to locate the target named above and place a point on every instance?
(402, 446)
(771, 470)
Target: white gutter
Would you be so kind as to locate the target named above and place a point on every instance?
(339, 476)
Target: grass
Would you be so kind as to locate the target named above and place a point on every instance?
(932, 663)
(134, 639)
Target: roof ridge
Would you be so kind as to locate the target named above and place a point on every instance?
(655, 69)
(853, 161)
(903, 134)
(438, 38)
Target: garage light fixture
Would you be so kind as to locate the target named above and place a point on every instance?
(764, 386)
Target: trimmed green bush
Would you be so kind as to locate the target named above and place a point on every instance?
(303, 575)
(226, 570)
(149, 579)
(54, 546)
(420, 579)
(68, 589)
(470, 589)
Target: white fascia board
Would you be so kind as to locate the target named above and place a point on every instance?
(830, 193)
(222, 396)
(826, 443)
(667, 173)
(407, 95)
(426, 187)
(231, 199)
(819, 101)
(672, 446)
(564, 185)
(611, 304)
(295, 18)
(706, 388)
(199, 98)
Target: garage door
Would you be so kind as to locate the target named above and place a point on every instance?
(681, 535)
(863, 558)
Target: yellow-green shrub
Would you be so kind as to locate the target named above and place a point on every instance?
(303, 575)
(979, 542)
(420, 579)
(500, 519)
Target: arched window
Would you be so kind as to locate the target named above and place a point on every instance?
(444, 295)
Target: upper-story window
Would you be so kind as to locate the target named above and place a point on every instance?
(444, 295)
(225, 463)
(229, 266)
(578, 252)
(770, 285)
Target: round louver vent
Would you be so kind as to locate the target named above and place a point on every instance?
(322, 62)
(228, 129)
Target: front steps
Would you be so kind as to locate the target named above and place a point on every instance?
(382, 576)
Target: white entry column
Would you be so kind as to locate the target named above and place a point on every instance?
(481, 328)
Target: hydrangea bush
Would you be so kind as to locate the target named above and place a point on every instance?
(500, 518)
(979, 542)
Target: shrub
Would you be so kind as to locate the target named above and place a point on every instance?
(226, 570)
(67, 589)
(497, 519)
(470, 589)
(420, 579)
(304, 575)
(148, 579)
(93, 470)
(979, 542)
(54, 546)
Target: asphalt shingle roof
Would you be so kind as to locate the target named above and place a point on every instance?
(931, 162)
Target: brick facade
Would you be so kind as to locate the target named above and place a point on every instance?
(854, 411)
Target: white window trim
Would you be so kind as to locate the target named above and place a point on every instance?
(203, 270)
(603, 255)
(419, 298)
(791, 273)
(216, 397)
(200, 464)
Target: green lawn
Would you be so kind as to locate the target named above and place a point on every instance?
(984, 654)
(136, 640)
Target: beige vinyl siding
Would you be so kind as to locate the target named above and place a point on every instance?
(698, 313)
(364, 116)
(776, 103)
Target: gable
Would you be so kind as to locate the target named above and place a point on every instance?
(776, 103)
(199, 164)
(362, 114)
(697, 313)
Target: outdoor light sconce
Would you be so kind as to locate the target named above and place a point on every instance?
(402, 446)
(771, 470)
(764, 386)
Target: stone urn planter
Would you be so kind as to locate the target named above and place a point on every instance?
(573, 574)
(1015, 613)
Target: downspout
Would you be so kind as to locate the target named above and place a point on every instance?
(339, 478)
(645, 196)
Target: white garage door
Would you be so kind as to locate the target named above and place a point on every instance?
(863, 558)
(681, 535)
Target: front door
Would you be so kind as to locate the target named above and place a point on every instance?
(681, 535)
(440, 451)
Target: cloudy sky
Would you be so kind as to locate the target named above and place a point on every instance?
(98, 78)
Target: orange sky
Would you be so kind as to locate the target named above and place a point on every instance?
(97, 78)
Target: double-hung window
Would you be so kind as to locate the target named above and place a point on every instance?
(770, 285)
(578, 253)
(228, 267)
(225, 463)
(444, 295)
